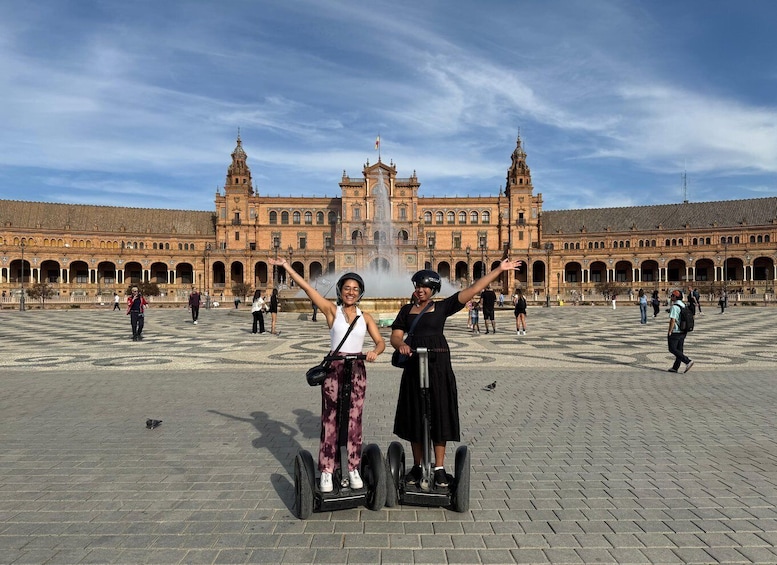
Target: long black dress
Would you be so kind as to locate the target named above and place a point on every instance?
(408, 422)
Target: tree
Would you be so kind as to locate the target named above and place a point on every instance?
(40, 291)
(145, 288)
(241, 289)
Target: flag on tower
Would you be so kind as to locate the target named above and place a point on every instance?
(377, 143)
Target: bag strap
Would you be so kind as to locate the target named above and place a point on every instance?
(421, 313)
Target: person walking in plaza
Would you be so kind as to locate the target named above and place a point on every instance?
(655, 302)
(273, 309)
(614, 299)
(475, 315)
(520, 312)
(443, 398)
(488, 298)
(257, 311)
(116, 301)
(723, 301)
(195, 301)
(697, 299)
(691, 300)
(136, 310)
(642, 299)
(676, 337)
(339, 317)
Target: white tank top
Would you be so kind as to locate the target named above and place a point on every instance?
(355, 341)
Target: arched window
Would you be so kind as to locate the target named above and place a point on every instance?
(760, 239)
(566, 246)
(668, 243)
(590, 245)
(451, 218)
(308, 217)
(356, 236)
(473, 217)
(680, 241)
(615, 244)
(486, 217)
(332, 217)
(767, 239)
(297, 217)
(438, 217)
(462, 217)
(403, 235)
(319, 218)
(427, 217)
(736, 239)
(273, 217)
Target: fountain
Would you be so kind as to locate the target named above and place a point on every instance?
(387, 287)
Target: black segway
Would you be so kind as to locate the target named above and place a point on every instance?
(426, 493)
(308, 497)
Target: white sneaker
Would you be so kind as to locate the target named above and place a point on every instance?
(195, 322)
(326, 482)
(355, 479)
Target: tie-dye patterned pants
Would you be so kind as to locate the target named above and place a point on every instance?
(328, 454)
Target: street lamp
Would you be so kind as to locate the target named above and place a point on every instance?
(291, 254)
(430, 243)
(205, 256)
(725, 260)
(469, 252)
(21, 298)
(482, 255)
(548, 250)
(276, 243)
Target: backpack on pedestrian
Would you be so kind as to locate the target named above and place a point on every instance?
(686, 319)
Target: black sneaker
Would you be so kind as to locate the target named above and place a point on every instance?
(672, 370)
(440, 478)
(414, 476)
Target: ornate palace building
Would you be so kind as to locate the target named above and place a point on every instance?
(381, 222)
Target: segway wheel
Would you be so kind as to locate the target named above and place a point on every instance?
(304, 481)
(374, 475)
(461, 495)
(395, 462)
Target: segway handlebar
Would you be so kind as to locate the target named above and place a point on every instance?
(345, 356)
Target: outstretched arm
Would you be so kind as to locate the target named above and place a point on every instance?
(326, 306)
(470, 292)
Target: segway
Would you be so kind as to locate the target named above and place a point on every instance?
(425, 492)
(308, 497)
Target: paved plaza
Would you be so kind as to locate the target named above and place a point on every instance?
(588, 450)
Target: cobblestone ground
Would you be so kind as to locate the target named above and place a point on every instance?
(587, 451)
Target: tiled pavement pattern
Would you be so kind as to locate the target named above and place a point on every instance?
(588, 451)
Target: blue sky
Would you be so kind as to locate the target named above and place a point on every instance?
(139, 103)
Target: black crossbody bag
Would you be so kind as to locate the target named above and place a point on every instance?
(399, 360)
(316, 375)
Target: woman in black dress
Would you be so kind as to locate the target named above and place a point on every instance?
(442, 382)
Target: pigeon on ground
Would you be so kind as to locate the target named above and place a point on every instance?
(492, 386)
(151, 424)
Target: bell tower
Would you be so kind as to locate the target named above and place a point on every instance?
(235, 209)
(524, 208)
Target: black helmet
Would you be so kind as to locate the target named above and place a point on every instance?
(429, 279)
(341, 282)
